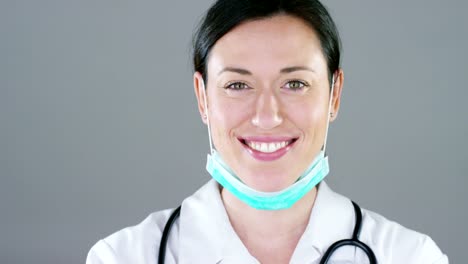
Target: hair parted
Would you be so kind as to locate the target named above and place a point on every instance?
(224, 15)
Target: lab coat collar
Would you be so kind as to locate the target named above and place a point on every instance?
(204, 226)
(206, 235)
(332, 219)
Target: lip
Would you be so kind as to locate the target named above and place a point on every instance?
(262, 156)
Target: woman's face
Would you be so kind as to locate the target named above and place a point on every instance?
(268, 95)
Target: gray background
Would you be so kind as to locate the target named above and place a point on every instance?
(99, 125)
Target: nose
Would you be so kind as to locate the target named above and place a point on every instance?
(267, 113)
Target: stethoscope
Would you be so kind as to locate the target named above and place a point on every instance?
(354, 241)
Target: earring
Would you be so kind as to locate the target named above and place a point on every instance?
(331, 114)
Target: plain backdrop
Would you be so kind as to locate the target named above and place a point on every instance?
(99, 125)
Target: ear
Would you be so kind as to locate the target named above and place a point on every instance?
(200, 94)
(335, 104)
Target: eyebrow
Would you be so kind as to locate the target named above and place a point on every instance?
(236, 70)
(296, 68)
(284, 70)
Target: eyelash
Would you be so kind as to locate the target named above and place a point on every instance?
(230, 86)
(302, 85)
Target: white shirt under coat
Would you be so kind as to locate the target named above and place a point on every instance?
(203, 234)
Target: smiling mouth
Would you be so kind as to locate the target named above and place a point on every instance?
(267, 147)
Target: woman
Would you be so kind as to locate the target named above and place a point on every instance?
(268, 83)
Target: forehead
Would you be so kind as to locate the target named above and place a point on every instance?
(267, 45)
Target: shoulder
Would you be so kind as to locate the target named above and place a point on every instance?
(391, 242)
(134, 244)
(398, 244)
(140, 243)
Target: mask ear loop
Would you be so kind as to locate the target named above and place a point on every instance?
(206, 114)
(329, 113)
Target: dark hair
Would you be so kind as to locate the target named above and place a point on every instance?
(224, 15)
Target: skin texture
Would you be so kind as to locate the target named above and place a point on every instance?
(272, 56)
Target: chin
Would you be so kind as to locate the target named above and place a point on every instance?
(268, 183)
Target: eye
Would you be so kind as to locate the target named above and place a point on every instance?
(237, 86)
(295, 85)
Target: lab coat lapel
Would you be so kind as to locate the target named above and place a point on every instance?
(331, 219)
(206, 235)
(201, 229)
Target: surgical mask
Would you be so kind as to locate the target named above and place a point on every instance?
(279, 200)
(267, 200)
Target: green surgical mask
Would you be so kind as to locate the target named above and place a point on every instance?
(267, 200)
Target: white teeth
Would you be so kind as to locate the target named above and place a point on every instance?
(257, 146)
(272, 147)
(267, 147)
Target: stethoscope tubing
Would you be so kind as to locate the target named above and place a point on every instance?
(165, 235)
(354, 241)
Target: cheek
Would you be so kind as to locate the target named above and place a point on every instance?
(309, 115)
(227, 115)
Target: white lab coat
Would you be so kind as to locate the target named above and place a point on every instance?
(203, 234)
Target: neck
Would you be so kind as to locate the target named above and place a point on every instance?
(253, 225)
